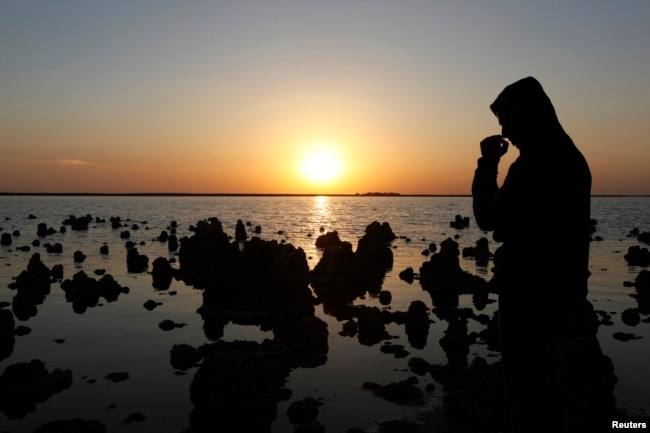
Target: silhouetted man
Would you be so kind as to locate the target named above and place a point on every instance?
(541, 214)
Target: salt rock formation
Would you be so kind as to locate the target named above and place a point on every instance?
(637, 256)
(459, 222)
(444, 279)
(84, 291)
(342, 274)
(240, 231)
(78, 223)
(6, 239)
(136, 262)
(261, 282)
(162, 273)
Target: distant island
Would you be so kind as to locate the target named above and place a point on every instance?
(380, 194)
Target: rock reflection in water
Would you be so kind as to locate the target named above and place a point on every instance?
(262, 283)
(475, 392)
(26, 383)
(32, 286)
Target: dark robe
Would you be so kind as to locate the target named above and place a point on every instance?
(541, 214)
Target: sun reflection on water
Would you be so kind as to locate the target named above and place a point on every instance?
(321, 208)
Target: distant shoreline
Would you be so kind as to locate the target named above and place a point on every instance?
(182, 194)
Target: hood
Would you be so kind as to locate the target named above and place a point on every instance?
(528, 99)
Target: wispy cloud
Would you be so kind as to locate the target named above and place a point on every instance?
(73, 162)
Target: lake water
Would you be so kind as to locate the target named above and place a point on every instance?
(124, 336)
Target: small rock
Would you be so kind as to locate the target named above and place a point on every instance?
(631, 317)
(395, 349)
(6, 239)
(23, 330)
(184, 356)
(150, 304)
(168, 325)
(624, 336)
(385, 297)
(117, 377)
(407, 275)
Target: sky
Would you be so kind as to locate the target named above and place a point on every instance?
(308, 97)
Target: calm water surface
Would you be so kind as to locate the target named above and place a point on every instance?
(123, 336)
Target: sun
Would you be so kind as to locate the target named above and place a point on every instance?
(321, 165)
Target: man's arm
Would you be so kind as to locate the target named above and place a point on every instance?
(484, 190)
(484, 185)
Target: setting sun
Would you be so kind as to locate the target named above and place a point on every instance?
(321, 165)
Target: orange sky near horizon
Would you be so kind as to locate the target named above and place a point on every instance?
(230, 97)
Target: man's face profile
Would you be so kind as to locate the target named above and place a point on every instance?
(511, 127)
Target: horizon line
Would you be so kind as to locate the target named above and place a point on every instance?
(227, 194)
(236, 194)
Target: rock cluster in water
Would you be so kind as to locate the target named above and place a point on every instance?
(252, 281)
(78, 223)
(459, 222)
(342, 274)
(262, 282)
(136, 262)
(445, 280)
(162, 273)
(481, 252)
(43, 230)
(84, 291)
(637, 256)
(643, 237)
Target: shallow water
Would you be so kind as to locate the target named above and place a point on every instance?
(123, 336)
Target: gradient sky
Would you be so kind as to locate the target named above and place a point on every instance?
(232, 96)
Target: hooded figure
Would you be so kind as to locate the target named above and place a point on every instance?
(541, 214)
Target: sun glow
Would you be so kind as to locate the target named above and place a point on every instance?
(321, 165)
